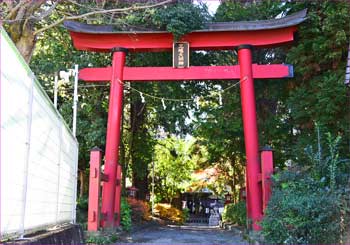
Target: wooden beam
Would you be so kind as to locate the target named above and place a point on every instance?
(192, 73)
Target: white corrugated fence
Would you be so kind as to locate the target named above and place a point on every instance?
(39, 155)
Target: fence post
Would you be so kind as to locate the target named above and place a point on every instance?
(75, 174)
(59, 170)
(55, 91)
(94, 189)
(75, 99)
(27, 157)
(266, 172)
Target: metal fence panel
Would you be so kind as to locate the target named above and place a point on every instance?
(38, 152)
(67, 178)
(42, 177)
(13, 152)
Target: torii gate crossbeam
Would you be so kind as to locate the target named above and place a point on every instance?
(143, 74)
(216, 36)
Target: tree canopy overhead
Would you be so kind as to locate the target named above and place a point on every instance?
(26, 20)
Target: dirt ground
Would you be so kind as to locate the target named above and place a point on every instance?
(186, 234)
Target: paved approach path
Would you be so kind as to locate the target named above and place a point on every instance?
(184, 234)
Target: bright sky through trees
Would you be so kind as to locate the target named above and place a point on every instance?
(212, 5)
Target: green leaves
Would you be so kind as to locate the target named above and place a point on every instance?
(235, 213)
(302, 213)
(180, 19)
(307, 204)
(236, 11)
(125, 210)
(174, 165)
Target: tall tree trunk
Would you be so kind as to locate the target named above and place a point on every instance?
(82, 182)
(140, 177)
(26, 44)
(21, 29)
(141, 183)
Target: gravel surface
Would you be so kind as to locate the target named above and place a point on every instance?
(187, 234)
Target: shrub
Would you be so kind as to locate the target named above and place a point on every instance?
(101, 238)
(140, 210)
(186, 213)
(82, 211)
(309, 202)
(125, 219)
(235, 213)
(167, 212)
(302, 212)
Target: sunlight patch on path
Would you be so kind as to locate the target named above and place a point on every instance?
(185, 234)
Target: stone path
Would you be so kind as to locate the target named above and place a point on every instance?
(187, 234)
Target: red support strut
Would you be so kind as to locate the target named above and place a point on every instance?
(266, 172)
(113, 137)
(254, 201)
(118, 192)
(94, 189)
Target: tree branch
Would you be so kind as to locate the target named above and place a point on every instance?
(32, 7)
(9, 4)
(100, 12)
(15, 9)
(46, 13)
(6, 6)
(82, 5)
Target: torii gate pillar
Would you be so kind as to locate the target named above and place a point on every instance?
(254, 196)
(109, 200)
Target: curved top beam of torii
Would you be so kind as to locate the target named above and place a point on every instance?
(262, 33)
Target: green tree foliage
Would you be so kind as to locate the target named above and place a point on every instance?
(147, 117)
(219, 129)
(300, 212)
(273, 130)
(310, 202)
(317, 92)
(25, 20)
(125, 220)
(180, 19)
(53, 54)
(218, 126)
(259, 10)
(288, 108)
(176, 18)
(173, 165)
(235, 213)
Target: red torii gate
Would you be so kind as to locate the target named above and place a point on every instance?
(216, 36)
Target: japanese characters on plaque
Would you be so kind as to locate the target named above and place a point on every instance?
(181, 55)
